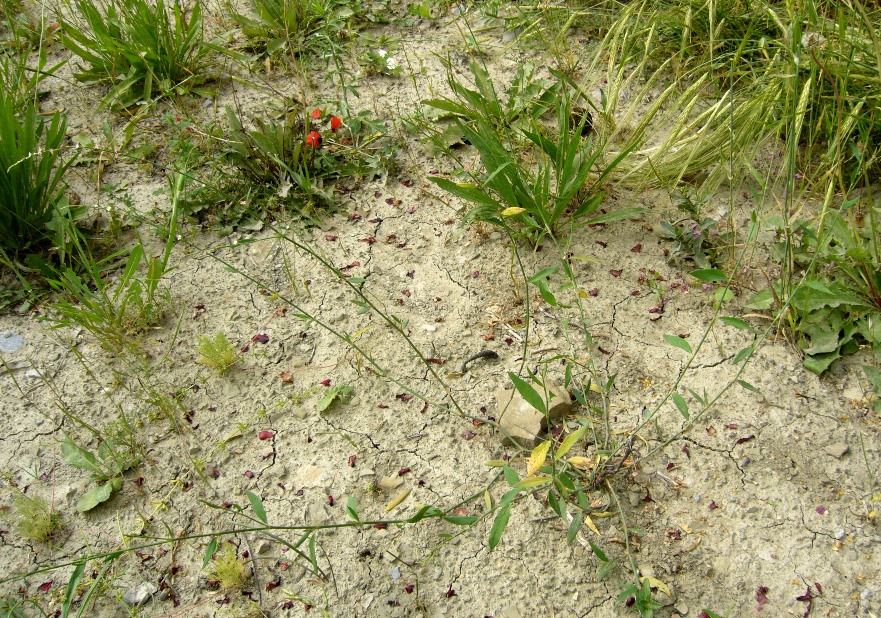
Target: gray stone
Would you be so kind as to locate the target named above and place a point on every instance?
(10, 342)
(137, 596)
(837, 450)
(263, 548)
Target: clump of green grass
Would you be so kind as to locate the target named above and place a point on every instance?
(35, 519)
(141, 49)
(33, 208)
(217, 353)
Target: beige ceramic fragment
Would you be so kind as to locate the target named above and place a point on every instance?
(523, 423)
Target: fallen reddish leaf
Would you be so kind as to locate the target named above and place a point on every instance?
(330, 237)
(354, 217)
(352, 459)
(405, 397)
(467, 434)
(821, 510)
(616, 272)
(636, 248)
(601, 243)
(369, 240)
(325, 383)
(266, 435)
(436, 361)
(712, 505)
(594, 292)
(746, 439)
(260, 338)
(731, 426)
(45, 586)
(409, 588)
(382, 406)
(248, 474)
(403, 471)
(270, 586)
(287, 377)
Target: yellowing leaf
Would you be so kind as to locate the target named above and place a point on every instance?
(496, 463)
(570, 441)
(488, 500)
(398, 499)
(537, 459)
(513, 211)
(657, 583)
(533, 481)
(582, 463)
(589, 523)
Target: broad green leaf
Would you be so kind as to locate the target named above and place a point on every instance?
(257, 505)
(95, 496)
(709, 274)
(499, 525)
(678, 342)
(466, 192)
(341, 393)
(570, 441)
(529, 394)
(511, 475)
(537, 458)
(761, 300)
(80, 458)
(209, 552)
(680, 403)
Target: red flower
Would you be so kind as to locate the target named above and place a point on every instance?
(313, 140)
(316, 113)
(335, 123)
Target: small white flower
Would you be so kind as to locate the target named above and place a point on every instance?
(391, 63)
(381, 53)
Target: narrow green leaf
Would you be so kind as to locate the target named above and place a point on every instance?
(498, 528)
(709, 274)
(257, 505)
(748, 386)
(352, 508)
(597, 551)
(606, 568)
(736, 323)
(680, 403)
(511, 475)
(461, 520)
(529, 394)
(554, 502)
(678, 342)
(209, 552)
(742, 354)
(72, 584)
(574, 527)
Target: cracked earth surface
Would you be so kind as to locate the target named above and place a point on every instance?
(758, 493)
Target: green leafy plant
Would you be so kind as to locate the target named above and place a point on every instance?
(35, 519)
(33, 208)
(696, 237)
(297, 26)
(114, 312)
(288, 164)
(537, 200)
(140, 49)
(836, 307)
(106, 465)
(217, 353)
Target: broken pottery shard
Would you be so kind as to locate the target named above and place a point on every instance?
(521, 421)
(135, 597)
(837, 450)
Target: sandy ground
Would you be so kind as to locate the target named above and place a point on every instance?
(762, 505)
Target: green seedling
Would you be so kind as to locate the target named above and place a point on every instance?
(342, 393)
(106, 465)
(217, 353)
